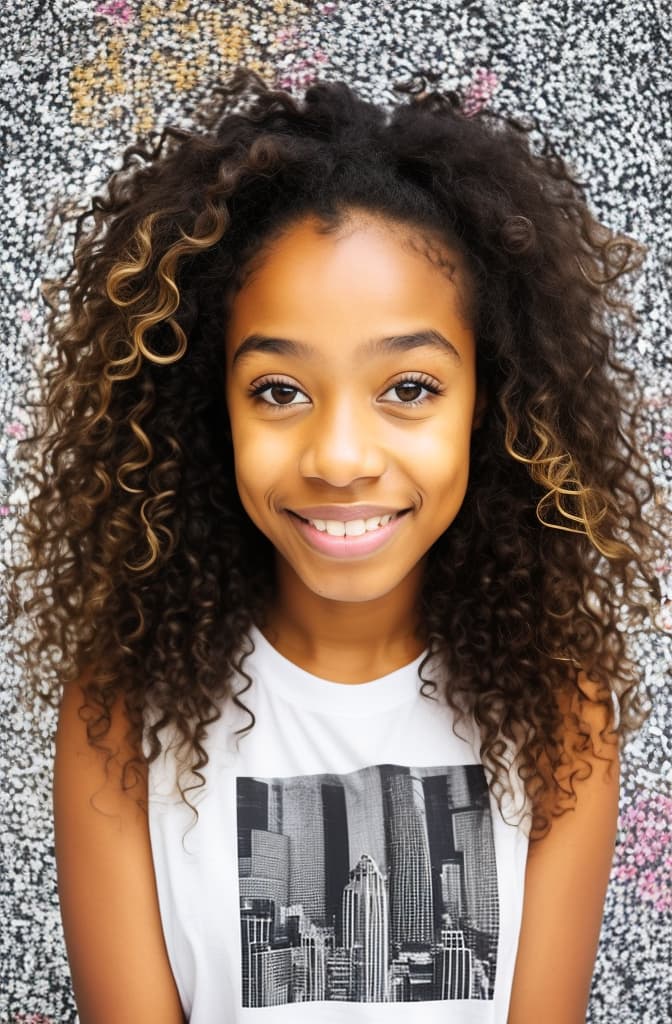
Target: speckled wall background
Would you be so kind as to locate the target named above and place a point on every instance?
(80, 78)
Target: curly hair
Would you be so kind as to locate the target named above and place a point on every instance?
(146, 570)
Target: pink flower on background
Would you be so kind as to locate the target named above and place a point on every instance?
(286, 36)
(31, 1018)
(644, 853)
(303, 72)
(484, 84)
(658, 401)
(119, 12)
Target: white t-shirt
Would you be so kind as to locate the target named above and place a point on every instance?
(348, 858)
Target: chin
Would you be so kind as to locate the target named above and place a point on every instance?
(347, 590)
(347, 597)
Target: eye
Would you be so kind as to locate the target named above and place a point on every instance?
(276, 393)
(409, 390)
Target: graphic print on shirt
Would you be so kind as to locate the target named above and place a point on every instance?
(375, 886)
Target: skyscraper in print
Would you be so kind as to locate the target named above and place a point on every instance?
(408, 857)
(365, 926)
(379, 885)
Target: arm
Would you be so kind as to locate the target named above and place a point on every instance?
(109, 905)
(565, 886)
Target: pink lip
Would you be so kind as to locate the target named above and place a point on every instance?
(344, 513)
(345, 547)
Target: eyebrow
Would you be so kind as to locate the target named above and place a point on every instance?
(375, 346)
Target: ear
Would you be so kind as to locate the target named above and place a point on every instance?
(480, 406)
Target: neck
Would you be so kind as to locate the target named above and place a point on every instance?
(351, 642)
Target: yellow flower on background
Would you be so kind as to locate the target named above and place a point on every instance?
(162, 47)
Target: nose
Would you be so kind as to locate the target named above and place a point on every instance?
(341, 446)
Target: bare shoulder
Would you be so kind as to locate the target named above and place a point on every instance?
(107, 890)
(568, 872)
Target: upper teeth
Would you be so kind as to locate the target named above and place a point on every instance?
(353, 527)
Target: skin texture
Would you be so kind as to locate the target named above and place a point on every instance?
(347, 436)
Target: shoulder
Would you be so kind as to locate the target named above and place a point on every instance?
(568, 867)
(589, 744)
(107, 893)
(586, 744)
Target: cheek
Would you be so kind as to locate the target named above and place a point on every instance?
(439, 458)
(262, 460)
(445, 480)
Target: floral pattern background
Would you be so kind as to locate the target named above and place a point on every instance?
(80, 79)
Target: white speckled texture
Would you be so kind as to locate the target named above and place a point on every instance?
(78, 79)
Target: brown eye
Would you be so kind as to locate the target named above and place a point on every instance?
(413, 391)
(278, 393)
(282, 393)
(408, 391)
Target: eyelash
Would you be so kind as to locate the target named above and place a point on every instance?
(256, 390)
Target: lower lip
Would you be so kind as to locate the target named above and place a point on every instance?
(346, 547)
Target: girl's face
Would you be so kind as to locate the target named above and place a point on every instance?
(351, 391)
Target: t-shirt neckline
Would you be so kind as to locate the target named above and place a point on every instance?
(296, 685)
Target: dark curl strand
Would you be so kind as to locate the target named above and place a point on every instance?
(146, 572)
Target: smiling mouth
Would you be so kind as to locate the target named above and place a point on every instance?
(350, 527)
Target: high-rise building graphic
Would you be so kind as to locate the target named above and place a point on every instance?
(265, 873)
(408, 857)
(272, 973)
(457, 785)
(303, 825)
(324, 919)
(366, 925)
(366, 818)
(256, 925)
(452, 890)
(463, 788)
(316, 944)
(412, 977)
(453, 967)
(474, 839)
(341, 964)
(252, 799)
(437, 792)
(336, 860)
(275, 807)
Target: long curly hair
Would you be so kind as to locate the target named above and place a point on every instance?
(146, 572)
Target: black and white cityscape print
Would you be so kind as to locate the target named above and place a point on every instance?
(375, 886)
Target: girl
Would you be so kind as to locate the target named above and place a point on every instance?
(339, 507)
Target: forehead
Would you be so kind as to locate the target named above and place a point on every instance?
(368, 269)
